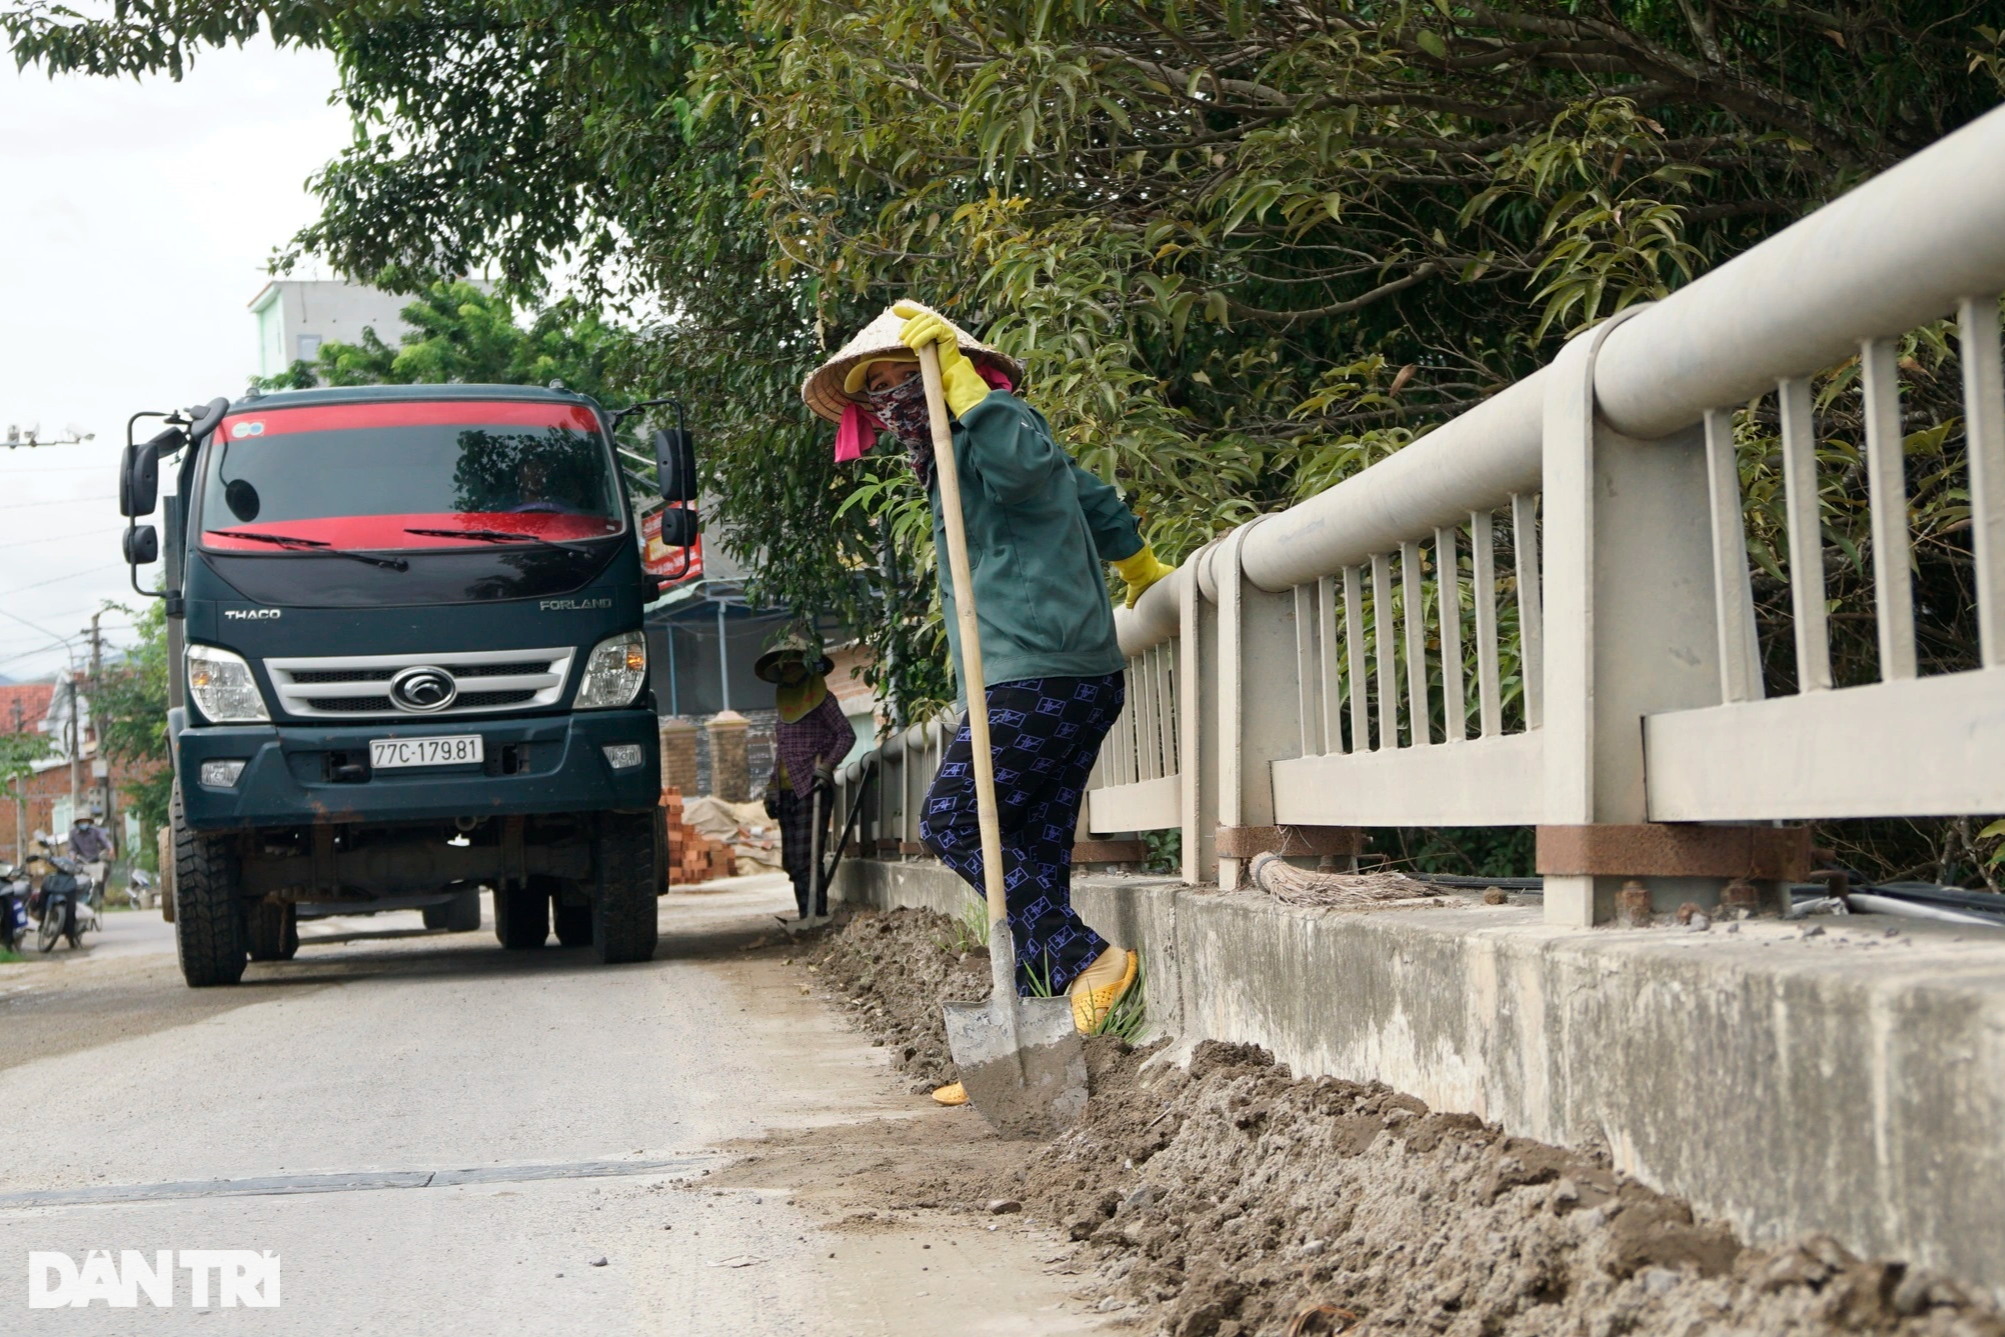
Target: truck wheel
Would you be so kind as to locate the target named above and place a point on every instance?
(574, 924)
(272, 931)
(461, 914)
(522, 915)
(208, 915)
(623, 904)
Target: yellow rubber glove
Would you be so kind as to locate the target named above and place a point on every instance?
(964, 386)
(1141, 571)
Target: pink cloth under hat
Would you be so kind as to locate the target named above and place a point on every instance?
(858, 430)
(855, 424)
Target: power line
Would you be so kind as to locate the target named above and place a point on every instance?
(63, 538)
(40, 649)
(35, 626)
(44, 649)
(56, 580)
(66, 501)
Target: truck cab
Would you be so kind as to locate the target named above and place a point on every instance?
(408, 664)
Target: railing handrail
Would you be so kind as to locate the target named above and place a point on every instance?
(1790, 306)
(1153, 619)
(1474, 461)
(1898, 251)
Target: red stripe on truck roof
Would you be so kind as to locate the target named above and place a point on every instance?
(413, 413)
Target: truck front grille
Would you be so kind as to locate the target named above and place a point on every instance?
(356, 685)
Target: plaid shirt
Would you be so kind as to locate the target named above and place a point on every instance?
(821, 735)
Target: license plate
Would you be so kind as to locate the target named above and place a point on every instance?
(387, 754)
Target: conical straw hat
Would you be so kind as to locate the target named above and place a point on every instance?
(823, 388)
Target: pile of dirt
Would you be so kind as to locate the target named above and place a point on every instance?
(1231, 1199)
(892, 972)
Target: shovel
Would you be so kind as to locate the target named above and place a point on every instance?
(811, 919)
(1020, 1059)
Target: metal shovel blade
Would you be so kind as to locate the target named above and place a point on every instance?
(1027, 1080)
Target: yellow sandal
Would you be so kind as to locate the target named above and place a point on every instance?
(1091, 1004)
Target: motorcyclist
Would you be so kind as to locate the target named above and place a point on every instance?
(90, 846)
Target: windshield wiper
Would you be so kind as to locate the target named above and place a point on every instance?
(313, 545)
(498, 536)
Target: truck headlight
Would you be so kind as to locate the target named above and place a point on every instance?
(223, 688)
(614, 672)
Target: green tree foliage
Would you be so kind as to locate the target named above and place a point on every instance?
(18, 754)
(129, 708)
(1244, 250)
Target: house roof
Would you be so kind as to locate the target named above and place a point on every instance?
(33, 700)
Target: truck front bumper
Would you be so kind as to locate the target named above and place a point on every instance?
(297, 774)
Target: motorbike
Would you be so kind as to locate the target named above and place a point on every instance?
(14, 892)
(64, 905)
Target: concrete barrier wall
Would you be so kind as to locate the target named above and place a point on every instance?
(1848, 1082)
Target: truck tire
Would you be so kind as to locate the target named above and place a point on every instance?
(461, 914)
(208, 909)
(574, 924)
(623, 901)
(272, 931)
(522, 915)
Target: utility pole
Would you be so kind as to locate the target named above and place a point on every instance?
(100, 764)
(74, 741)
(20, 799)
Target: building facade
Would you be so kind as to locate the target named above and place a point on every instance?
(296, 316)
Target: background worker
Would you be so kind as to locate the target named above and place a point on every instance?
(1038, 527)
(812, 736)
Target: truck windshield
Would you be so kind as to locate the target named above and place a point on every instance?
(413, 476)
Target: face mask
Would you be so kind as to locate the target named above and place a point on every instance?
(902, 408)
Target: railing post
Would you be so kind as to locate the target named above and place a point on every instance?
(1258, 701)
(1197, 724)
(1629, 627)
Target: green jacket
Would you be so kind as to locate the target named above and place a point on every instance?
(1039, 527)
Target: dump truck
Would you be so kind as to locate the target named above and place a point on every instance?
(408, 663)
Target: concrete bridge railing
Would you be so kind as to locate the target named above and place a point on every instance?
(1304, 675)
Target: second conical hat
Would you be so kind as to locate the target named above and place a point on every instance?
(823, 388)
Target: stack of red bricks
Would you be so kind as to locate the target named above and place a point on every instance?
(692, 856)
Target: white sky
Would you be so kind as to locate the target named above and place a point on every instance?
(135, 223)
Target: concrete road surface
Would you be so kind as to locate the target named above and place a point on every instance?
(437, 1136)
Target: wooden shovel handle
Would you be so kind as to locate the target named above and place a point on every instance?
(971, 639)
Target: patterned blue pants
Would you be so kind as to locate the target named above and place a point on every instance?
(1044, 734)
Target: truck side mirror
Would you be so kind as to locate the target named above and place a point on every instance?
(678, 527)
(142, 545)
(675, 461)
(139, 472)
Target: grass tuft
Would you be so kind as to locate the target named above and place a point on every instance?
(1129, 1016)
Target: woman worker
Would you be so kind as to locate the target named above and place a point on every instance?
(1038, 528)
(812, 737)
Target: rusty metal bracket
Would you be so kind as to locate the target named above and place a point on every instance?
(1675, 849)
(1243, 842)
